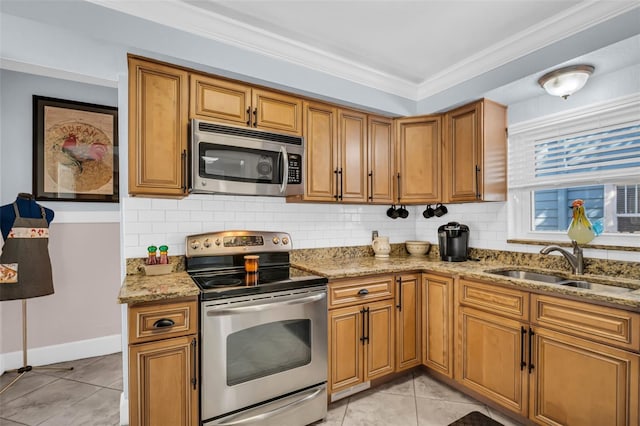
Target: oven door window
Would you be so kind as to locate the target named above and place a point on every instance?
(268, 349)
(239, 164)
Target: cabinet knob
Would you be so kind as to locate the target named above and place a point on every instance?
(363, 292)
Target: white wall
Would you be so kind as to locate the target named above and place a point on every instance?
(84, 243)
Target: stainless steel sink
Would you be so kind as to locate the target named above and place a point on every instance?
(527, 275)
(559, 280)
(595, 286)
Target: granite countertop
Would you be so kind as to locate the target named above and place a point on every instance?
(138, 287)
(359, 266)
(146, 288)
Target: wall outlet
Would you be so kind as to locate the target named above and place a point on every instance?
(374, 235)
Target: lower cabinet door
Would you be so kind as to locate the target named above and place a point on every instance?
(380, 347)
(490, 351)
(437, 323)
(408, 321)
(346, 361)
(162, 383)
(577, 382)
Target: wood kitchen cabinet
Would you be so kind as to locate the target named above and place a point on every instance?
(352, 156)
(380, 155)
(163, 363)
(437, 323)
(232, 102)
(158, 122)
(475, 155)
(341, 154)
(418, 159)
(578, 382)
(578, 362)
(321, 138)
(584, 363)
(408, 321)
(361, 330)
(488, 357)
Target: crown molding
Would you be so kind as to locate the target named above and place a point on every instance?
(44, 71)
(561, 26)
(184, 16)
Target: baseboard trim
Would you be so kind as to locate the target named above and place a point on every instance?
(124, 410)
(63, 352)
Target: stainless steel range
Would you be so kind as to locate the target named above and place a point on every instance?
(263, 352)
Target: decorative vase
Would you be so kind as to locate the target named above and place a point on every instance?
(580, 229)
(381, 246)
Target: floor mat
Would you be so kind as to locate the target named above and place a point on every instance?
(475, 418)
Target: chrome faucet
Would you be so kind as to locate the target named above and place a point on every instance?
(575, 260)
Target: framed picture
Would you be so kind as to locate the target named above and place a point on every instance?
(75, 151)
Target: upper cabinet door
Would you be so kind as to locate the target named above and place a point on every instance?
(476, 153)
(321, 157)
(276, 112)
(380, 154)
(158, 123)
(235, 103)
(418, 141)
(220, 100)
(463, 153)
(352, 169)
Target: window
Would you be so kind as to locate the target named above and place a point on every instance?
(552, 207)
(592, 154)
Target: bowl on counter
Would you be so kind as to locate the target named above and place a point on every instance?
(417, 248)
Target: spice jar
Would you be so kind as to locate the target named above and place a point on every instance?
(152, 260)
(164, 259)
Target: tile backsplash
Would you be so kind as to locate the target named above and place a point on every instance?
(152, 221)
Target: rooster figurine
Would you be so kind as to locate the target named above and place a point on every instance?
(79, 153)
(580, 229)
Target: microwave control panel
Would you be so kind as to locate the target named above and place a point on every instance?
(295, 169)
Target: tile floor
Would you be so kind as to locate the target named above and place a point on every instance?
(89, 395)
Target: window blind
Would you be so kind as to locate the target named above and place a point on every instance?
(555, 155)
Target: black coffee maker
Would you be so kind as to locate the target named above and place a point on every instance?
(454, 242)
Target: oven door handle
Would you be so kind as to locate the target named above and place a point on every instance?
(263, 306)
(285, 169)
(258, 418)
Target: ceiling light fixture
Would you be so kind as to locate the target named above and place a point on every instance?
(566, 81)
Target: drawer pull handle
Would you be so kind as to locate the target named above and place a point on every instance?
(523, 333)
(163, 323)
(363, 292)
(531, 334)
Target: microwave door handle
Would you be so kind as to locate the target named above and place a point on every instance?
(285, 169)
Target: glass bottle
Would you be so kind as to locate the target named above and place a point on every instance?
(152, 260)
(164, 259)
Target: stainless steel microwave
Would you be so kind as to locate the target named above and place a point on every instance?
(236, 160)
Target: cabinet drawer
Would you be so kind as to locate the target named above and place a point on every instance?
(495, 299)
(607, 325)
(155, 321)
(353, 291)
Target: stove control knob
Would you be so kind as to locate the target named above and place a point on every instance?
(195, 244)
(207, 243)
(285, 241)
(218, 242)
(276, 240)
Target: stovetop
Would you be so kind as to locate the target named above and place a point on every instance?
(267, 280)
(216, 263)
